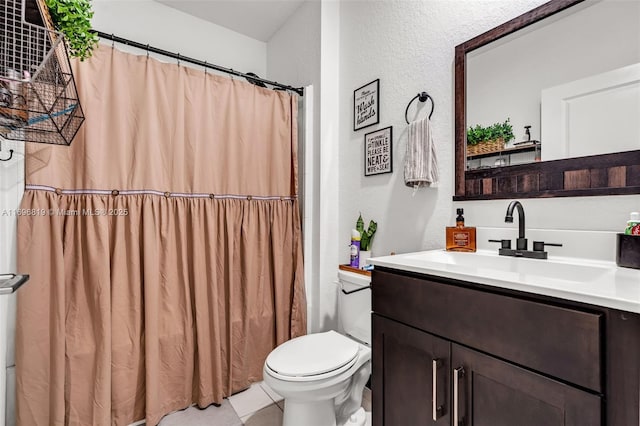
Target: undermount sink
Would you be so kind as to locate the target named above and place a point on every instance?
(492, 263)
(597, 282)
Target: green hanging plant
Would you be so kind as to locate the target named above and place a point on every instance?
(73, 19)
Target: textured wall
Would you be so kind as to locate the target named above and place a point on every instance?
(409, 46)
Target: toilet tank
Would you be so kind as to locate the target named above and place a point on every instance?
(355, 309)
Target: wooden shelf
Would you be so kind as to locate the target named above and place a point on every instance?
(507, 151)
(356, 270)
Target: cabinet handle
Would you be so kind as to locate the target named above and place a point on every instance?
(435, 408)
(458, 373)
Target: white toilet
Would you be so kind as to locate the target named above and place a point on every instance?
(321, 376)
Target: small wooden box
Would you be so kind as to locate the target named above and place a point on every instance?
(628, 251)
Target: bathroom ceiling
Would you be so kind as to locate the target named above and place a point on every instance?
(258, 19)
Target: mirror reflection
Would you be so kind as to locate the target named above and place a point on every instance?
(567, 86)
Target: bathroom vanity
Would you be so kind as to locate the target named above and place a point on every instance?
(482, 340)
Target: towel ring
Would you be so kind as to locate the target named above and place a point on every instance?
(10, 154)
(422, 97)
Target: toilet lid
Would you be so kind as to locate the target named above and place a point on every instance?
(312, 354)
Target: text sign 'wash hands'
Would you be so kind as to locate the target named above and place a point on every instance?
(366, 105)
(366, 109)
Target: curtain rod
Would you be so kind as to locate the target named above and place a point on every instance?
(249, 77)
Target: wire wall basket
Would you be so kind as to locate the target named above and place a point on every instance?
(38, 96)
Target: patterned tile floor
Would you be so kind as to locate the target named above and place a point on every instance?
(257, 406)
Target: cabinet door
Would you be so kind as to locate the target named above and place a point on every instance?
(410, 376)
(490, 392)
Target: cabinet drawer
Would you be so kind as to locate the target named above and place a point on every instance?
(564, 343)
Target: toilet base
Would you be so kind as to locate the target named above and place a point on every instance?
(359, 418)
(321, 413)
(318, 413)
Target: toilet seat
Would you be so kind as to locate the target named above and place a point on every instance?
(312, 357)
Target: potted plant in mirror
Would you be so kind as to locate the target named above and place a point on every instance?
(73, 19)
(366, 237)
(481, 140)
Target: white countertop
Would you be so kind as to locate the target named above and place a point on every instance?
(600, 283)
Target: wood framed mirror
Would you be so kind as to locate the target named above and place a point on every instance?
(610, 173)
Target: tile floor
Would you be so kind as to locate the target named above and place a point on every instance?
(257, 406)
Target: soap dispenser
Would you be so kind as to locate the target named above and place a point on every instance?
(460, 237)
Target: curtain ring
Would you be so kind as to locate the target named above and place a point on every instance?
(147, 50)
(113, 41)
(178, 59)
(205, 67)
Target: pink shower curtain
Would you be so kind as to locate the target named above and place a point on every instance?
(164, 246)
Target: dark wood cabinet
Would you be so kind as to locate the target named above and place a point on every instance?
(491, 392)
(500, 357)
(414, 371)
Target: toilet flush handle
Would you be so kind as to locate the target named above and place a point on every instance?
(356, 290)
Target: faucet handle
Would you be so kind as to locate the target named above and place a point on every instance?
(539, 245)
(505, 244)
(522, 244)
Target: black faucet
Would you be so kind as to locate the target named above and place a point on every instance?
(521, 242)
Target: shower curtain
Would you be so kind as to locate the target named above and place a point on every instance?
(164, 246)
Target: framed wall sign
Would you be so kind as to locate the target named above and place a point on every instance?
(378, 152)
(366, 105)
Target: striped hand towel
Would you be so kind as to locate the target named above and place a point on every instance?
(420, 163)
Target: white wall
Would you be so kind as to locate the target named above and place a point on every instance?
(147, 21)
(293, 52)
(330, 142)
(409, 46)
